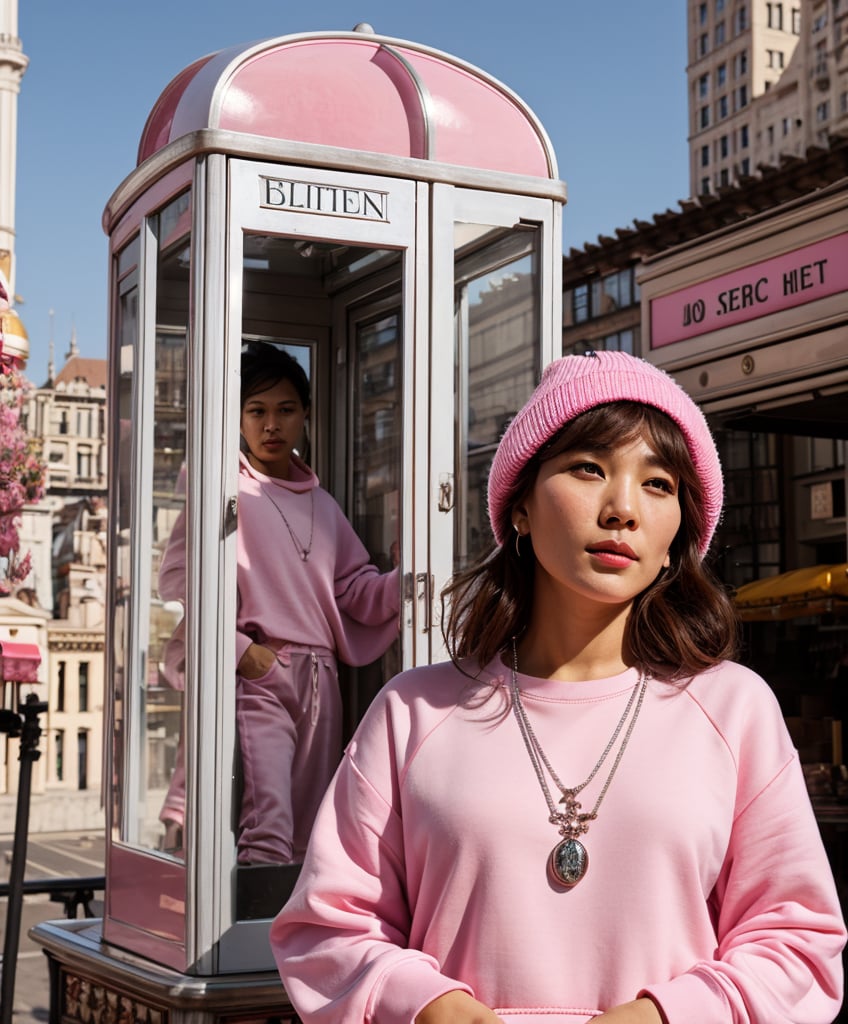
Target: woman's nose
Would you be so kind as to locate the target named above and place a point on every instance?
(621, 509)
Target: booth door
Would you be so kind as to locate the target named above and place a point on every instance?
(328, 271)
(496, 315)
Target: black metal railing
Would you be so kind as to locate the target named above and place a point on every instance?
(73, 893)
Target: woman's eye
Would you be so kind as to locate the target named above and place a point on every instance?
(592, 468)
(662, 485)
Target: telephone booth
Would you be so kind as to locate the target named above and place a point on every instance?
(390, 216)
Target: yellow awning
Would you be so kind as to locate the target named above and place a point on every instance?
(816, 590)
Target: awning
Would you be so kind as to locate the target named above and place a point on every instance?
(816, 590)
(19, 662)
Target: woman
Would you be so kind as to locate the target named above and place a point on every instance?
(307, 596)
(590, 813)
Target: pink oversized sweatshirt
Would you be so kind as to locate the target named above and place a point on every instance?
(708, 886)
(336, 599)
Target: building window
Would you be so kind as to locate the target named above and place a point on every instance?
(724, 177)
(743, 137)
(60, 755)
(84, 463)
(705, 156)
(796, 21)
(702, 14)
(82, 759)
(60, 686)
(618, 291)
(741, 19)
(722, 107)
(703, 45)
(774, 15)
(742, 93)
(83, 686)
(770, 134)
(719, 34)
(745, 167)
(821, 58)
(719, 6)
(581, 303)
(823, 112)
(723, 148)
(705, 117)
(774, 58)
(843, 103)
(622, 341)
(786, 126)
(721, 76)
(705, 186)
(703, 86)
(820, 22)
(741, 63)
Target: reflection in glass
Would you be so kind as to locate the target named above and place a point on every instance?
(497, 287)
(161, 780)
(166, 637)
(377, 425)
(122, 381)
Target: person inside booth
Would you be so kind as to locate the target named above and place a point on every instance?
(590, 812)
(308, 597)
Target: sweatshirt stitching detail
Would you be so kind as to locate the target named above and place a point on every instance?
(766, 787)
(719, 732)
(404, 771)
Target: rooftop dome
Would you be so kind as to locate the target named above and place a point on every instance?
(14, 339)
(359, 91)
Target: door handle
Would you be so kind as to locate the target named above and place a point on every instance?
(424, 584)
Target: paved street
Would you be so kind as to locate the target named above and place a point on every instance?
(53, 855)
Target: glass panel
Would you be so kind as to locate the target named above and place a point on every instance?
(126, 327)
(162, 783)
(377, 447)
(296, 293)
(497, 302)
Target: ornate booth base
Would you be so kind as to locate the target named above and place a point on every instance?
(92, 982)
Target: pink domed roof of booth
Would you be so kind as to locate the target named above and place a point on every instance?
(355, 90)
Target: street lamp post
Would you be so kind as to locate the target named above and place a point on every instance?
(23, 724)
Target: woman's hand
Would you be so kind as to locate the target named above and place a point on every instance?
(256, 661)
(640, 1011)
(457, 1007)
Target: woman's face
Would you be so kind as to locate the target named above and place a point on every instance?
(272, 427)
(602, 520)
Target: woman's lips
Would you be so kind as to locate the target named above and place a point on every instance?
(612, 554)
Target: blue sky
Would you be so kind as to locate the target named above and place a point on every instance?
(606, 78)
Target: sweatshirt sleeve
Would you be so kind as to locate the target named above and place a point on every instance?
(172, 569)
(341, 942)
(778, 922)
(362, 592)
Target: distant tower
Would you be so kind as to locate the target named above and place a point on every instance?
(13, 64)
(73, 348)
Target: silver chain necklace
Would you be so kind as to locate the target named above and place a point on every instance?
(302, 550)
(569, 861)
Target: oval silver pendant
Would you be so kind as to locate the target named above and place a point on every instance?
(568, 862)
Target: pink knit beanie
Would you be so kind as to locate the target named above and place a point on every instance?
(574, 384)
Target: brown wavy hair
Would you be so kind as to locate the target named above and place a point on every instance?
(680, 625)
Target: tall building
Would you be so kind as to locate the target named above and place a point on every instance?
(62, 607)
(768, 79)
(13, 64)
